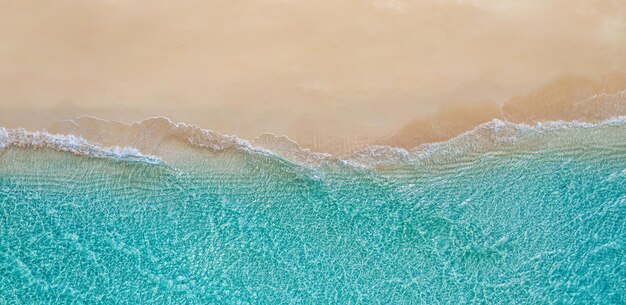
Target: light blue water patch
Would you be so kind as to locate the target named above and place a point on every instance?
(516, 228)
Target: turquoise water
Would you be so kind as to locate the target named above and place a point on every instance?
(536, 226)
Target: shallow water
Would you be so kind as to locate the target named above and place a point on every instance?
(544, 224)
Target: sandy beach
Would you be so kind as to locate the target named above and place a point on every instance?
(333, 77)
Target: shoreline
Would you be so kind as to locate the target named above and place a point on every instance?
(159, 140)
(565, 99)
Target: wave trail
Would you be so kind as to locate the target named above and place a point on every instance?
(149, 138)
(69, 143)
(496, 135)
(150, 134)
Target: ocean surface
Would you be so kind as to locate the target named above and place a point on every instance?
(503, 214)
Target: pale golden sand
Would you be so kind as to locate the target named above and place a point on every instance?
(332, 75)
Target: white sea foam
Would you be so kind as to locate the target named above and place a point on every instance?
(89, 136)
(149, 134)
(490, 136)
(69, 143)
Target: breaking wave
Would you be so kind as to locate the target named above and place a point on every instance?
(70, 143)
(143, 141)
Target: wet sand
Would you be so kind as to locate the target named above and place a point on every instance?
(566, 99)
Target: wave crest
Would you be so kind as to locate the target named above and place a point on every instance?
(496, 135)
(144, 141)
(70, 143)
